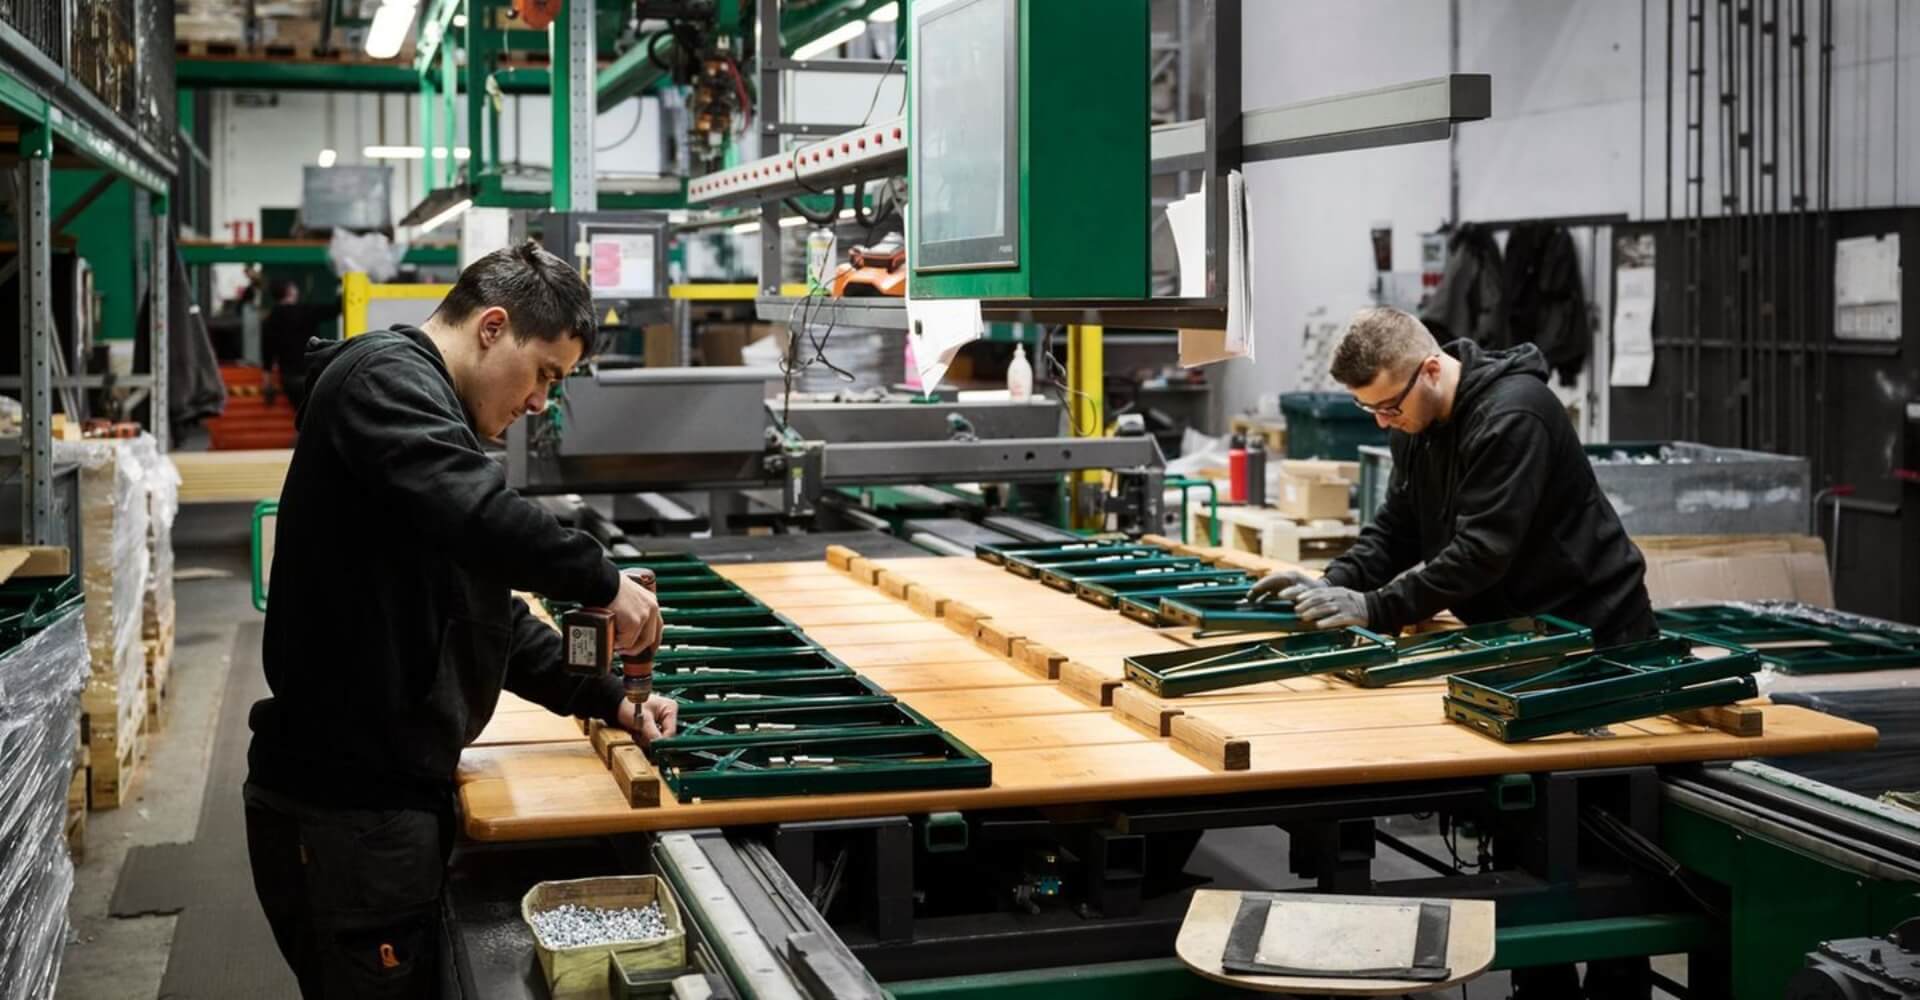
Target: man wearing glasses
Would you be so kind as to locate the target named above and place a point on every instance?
(1492, 512)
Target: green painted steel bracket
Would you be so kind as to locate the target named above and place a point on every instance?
(198, 254)
(1149, 608)
(1656, 666)
(55, 124)
(1794, 646)
(1437, 654)
(435, 24)
(1106, 591)
(736, 667)
(916, 760)
(1063, 576)
(1192, 671)
(694, 644)
(736, 725)
(1232, 612)
(1021, 558)
(1525, 701)
(798, 691)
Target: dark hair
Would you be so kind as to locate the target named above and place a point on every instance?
(546, 299)
(1380, 338)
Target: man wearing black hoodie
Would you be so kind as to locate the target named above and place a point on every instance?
(1493, 512)
(393, 627)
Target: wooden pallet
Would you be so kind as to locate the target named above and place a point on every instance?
(76, 826)
(1270, 534)
(114, 772)
(115, 738)
(159, 677)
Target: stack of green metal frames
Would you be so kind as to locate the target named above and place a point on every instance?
(1108, 573)
(764, 710)
(1229, 609)
(1796, 645)
(1457, 651)
(1106, 590)
(28, 605)
(1151, 607)
(1192, 671)
(1525, 701)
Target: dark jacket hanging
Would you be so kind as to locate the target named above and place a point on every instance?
(1466, 303)
(1544, 301)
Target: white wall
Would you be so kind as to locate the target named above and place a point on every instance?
(1575, 131)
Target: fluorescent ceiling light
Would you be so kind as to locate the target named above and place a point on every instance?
(409, 153)
(747, 228)
(327, 156)
(831, 40)
(886, 15)
(792, 222)
(453, 211)
(389, 29)
(459, 20)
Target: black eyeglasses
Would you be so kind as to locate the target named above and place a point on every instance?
(1393, 409)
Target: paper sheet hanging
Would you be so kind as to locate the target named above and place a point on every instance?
(937, 329)
(1633, 327)
(1866, 288)
(1188, 218)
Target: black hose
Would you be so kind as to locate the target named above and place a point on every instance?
(832, 215)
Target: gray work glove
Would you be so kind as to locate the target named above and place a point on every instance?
(1332, 607)
(1287, 585)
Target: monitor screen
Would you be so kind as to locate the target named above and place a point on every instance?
(966, 135)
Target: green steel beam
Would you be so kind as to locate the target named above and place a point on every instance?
(259, 74)
(524, 80)
(287, 254)
(68, 131)
(631, 75)
(435, 22)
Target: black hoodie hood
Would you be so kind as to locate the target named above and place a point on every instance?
(1480, 368)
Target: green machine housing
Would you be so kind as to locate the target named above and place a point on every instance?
(1028, 149)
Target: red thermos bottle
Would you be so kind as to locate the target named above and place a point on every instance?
(1237, 469)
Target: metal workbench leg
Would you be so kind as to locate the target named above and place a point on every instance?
(36, 341)
(1337, 853)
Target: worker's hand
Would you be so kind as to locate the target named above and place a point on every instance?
(1287, 585)
(636, 617)
(1332, 607)
(657, 719)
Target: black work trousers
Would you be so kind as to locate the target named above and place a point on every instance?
(352, 895)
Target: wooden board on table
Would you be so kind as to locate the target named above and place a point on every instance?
(889, 613)
(539, 726)
(908, 678)
(990, 703)
(916, 631)
(1210, 917)
(539, 791)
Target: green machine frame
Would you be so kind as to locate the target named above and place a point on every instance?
(1073, 225)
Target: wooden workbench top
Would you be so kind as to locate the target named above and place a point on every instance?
(534, 776)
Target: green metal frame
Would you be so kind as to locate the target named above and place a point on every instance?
(1232, 611)
(1525, 701)
(692, 643)
(284, 255)
(1063, 576)
(811, 690)
(740, 667)
(1148, 608)
(1106, 591)
(1656, 666)
(868, 763)
(261, 511)
(1186, 484)
(1437, 654)
(1796, 646)
(1026, 555)
(737, 725)
(1192, 671)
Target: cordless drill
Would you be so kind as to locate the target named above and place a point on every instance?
(588, 635)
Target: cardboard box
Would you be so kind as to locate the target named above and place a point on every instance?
(1314, 491)
(660, 347)
(721, 343)
(1702, 569)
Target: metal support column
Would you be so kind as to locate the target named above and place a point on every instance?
(158, 325)
(1223, 132)
(483, 142)
(450, 116)
(574, 107)
(429, 137)
(767, 55)
(37, 335)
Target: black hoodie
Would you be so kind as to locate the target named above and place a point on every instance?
(392, 626)
(1500, 504)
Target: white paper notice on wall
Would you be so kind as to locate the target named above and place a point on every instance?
(937, 329)
(1633, 327)
(1199, 347)
(1187, 219)
(1866, 288)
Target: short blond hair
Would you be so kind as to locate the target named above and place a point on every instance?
(1381, 338)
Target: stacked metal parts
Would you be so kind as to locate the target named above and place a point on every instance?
(120, 51)
(765, 711)
(43, 666)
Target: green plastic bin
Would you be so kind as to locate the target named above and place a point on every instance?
(1327, 425)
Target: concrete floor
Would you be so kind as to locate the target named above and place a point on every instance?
(127, 958)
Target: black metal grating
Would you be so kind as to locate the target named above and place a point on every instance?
(39, 22)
